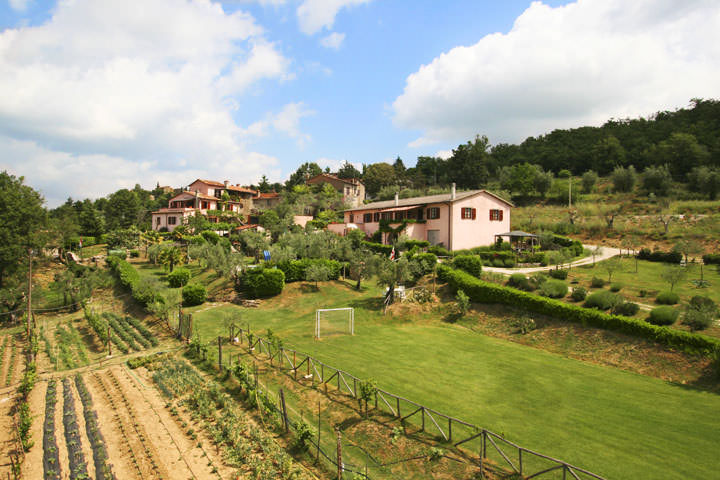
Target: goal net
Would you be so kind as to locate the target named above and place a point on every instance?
(334, 321)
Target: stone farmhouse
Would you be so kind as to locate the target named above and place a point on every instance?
(455, 220)
(352, 189)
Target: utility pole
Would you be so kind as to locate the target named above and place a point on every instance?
(29, 295)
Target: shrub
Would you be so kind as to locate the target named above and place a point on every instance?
(263, 282)
(296, 270)
(509, 263)
(483, 292)
(498, 262)
(519, 281)
(194, 294)
(179, 277)
(616, 287)
(663, 316)
(537, 279)
(376, 247)
(711, 258)
(554, 289)
(700, 313)
(558, 274)
(134, 253)
(658, 256)
(578, 294)
(603, 300)
(626, 308)
(472, 264)
(525, 324)
(210, 236)
(697, 319)
(426, 262)
(597, 282)
(439, 251)
(667, 298)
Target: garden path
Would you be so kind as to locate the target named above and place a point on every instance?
(607, 252)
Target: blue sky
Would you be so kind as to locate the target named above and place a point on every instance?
(102, 94)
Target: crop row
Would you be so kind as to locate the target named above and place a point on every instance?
(49, 350)
(78, 466)
(125, 406)
(71, 347)
(51, 456)
(2, 351)
(97, 443)
(245, 443)
(126, 333)
(11, 363)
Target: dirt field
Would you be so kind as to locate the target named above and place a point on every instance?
(142, 439)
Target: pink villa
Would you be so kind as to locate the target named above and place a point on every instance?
(205, 196)
(454, 220)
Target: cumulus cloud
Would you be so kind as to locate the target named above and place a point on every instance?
(19, 5)
(567, 66)
(314, 15)
(286, 121)
(142, 90)
(334, 40)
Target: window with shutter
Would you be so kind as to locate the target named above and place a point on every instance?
(500, 217)
(474, 213)
(376, 217)
(491, 215)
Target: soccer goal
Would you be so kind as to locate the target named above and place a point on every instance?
(334, 321)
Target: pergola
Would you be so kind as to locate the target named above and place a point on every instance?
(518, 238)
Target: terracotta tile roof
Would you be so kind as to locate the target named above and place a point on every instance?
(352, 181)
(418, 201)
(232, 187)
(269, 195)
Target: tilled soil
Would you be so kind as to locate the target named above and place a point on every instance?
(142, 439)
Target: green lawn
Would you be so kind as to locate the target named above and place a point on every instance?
(611, 422)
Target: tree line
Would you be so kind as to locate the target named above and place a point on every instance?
(684, 143)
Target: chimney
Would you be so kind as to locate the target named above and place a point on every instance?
(396, 199)
(227, 183)
(452, 191)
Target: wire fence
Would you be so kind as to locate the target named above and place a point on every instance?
(492, 449)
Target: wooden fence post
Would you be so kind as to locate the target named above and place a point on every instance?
(339, 455)
(284, 411)
(317, 455)
(220, 366)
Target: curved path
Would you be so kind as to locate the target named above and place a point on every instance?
(607, 252)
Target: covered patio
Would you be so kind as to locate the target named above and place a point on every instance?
(519, 240)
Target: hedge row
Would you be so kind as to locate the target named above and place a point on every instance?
(484, 292)
(378, 247)
(711, 259)
(130, 278)
(294, 270)
(658, 256)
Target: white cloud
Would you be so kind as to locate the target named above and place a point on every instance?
(334, 40)
(444, 154)
(19, 5)
(286, 121)
(122, 87)
(314, 15)
(334, 164)
(59, 175)
(567, 66)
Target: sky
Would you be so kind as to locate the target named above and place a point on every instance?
(98, 95)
